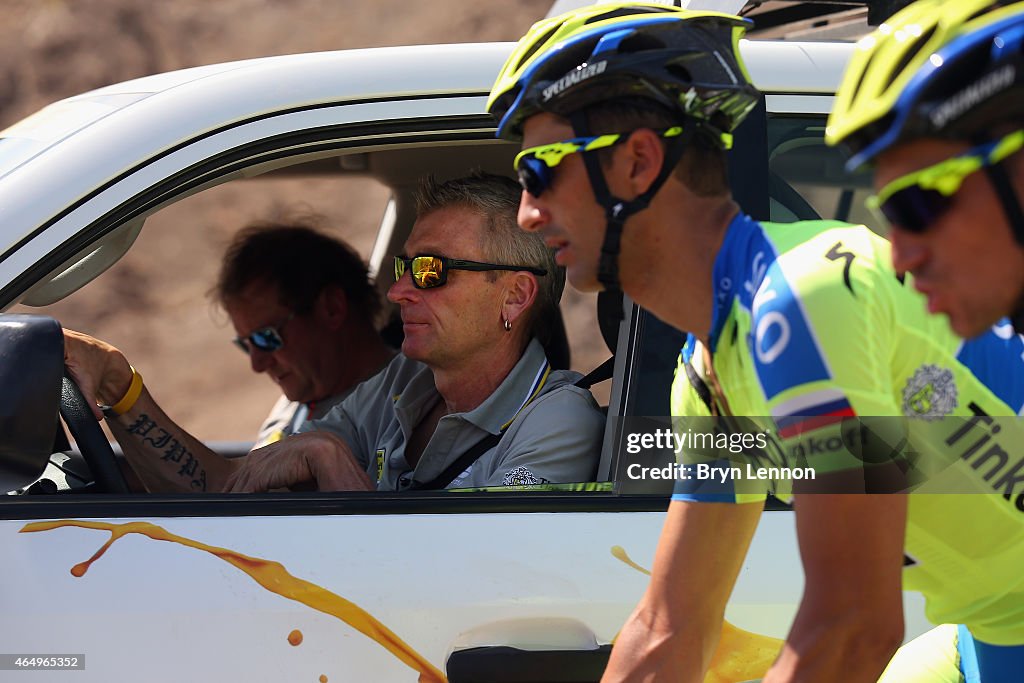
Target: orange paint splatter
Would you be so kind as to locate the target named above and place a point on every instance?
(271, 575)
(295, 637)
(620, 554)
(740, 655)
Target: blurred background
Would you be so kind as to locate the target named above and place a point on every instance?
(52, 49)
(153, 304)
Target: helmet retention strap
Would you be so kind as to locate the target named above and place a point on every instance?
(617, 210)
(1001, 183)
(1000, 180)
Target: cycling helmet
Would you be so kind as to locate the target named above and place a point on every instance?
(938, 68)
(685, 62)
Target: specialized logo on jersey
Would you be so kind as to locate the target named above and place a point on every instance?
(811, 411)
(930, 393)
(836, 253)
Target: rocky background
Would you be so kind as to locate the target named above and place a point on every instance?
(153, 303)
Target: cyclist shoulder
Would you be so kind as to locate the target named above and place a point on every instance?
(832, 256)
(827, 276)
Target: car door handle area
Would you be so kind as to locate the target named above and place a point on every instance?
(505, 664)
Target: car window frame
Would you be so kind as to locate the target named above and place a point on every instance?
(320, 129)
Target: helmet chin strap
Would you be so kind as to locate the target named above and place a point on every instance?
(1003, 187)
(617, 210)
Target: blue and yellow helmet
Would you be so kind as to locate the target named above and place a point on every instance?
(939, 68)
(688, 61)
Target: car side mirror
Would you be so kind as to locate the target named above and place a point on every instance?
(31, 367)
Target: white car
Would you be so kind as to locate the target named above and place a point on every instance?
(515, 586)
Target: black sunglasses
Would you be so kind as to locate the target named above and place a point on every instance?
(265, 339)
(428, 270)
(913, 202)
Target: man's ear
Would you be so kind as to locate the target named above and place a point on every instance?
(520, 292)
(332, 306)
(644, 153)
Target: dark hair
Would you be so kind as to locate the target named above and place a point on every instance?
(300, 262)
(496, 198)
(703, 168)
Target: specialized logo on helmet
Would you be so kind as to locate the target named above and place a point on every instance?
(577, 75)
(973, 95)
(930, 393)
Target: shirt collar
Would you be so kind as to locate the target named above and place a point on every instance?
(523, 383)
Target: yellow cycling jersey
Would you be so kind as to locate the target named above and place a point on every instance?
(813, 337)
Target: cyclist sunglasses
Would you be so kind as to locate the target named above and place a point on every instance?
(914, 202)
(265, 339)
(534, 165)
(429, 271)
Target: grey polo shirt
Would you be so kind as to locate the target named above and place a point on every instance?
(287, 416)
(554, 428)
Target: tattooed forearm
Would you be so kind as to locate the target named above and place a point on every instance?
(154, 437)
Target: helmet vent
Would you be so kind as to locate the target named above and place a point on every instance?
(983, 10)
(537, 44)
(909, 54)
(679, 71)
(627, 12)
(639, 42)
(860, 81)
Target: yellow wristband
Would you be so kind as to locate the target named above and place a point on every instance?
(130, 396)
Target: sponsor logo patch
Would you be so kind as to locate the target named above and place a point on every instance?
(521, 476)
(930, 393)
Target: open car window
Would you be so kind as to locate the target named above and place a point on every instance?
(358, 180)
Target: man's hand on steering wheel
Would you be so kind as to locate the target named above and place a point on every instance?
(101, 371)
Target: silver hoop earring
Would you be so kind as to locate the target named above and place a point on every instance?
(508, 325)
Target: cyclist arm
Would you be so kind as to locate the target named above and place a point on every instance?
(673, 632)
(850, 620)
(821, 384)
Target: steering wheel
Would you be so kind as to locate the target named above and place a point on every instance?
(92, 442)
